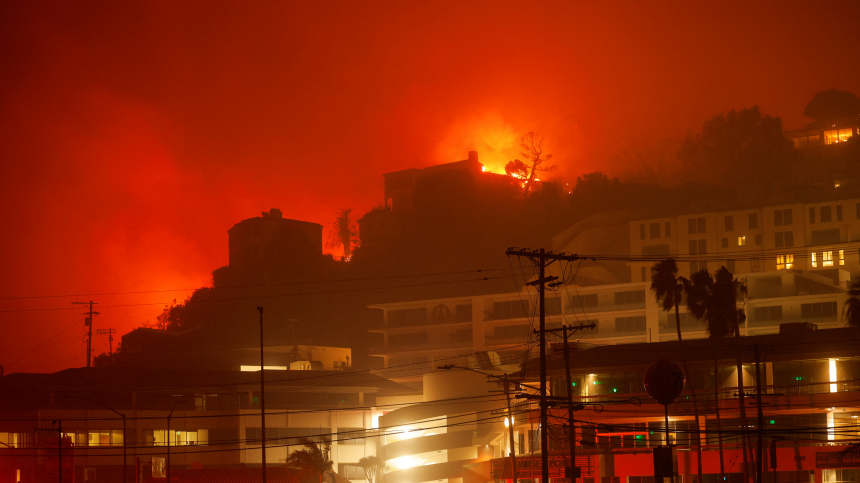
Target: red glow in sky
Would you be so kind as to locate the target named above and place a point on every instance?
(135, 134)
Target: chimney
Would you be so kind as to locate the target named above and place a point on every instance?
(473, 156)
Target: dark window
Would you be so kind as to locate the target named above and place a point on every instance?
(409, 338)
(351, 436)
(462, 335)
(826, 214)
(511, 331)
(698, 267)
(630, 297)
(698, 247)
(654, 229)
(464, 313)
(630, 325)
(838, 212)
(510, 309)
(812, 215)
(753, 220)
(818, 310)
(586, 300)
(783, 239)
(730, 266)
(407, 317)
(351, 471)
(724, 242)
(668, 228)
(857, 210)
(224, 436)
(730, 223)
(641, 232)
(644, 275)
(763, 314)
(696, 225)
(782, 217)
(758, 240)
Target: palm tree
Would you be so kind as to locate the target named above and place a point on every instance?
(374, 468)
(669, 289)
(851, 310)
(716, 300)
(310, 458)
(343, 233)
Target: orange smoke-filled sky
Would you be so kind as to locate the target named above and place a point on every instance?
(134, 134)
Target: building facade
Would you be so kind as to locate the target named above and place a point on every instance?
(141, 421)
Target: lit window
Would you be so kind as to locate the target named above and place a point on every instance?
(785, 262)
(827, 259)
(742, 241)
(842, 257)
(814, 260)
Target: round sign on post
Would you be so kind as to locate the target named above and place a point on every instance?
(664, 381)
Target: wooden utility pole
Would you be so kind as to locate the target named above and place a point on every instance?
(512, 446)
(760, 443)
(543, 259)
(572, 472)
(110, 333)
(262, 394)
(89, 322)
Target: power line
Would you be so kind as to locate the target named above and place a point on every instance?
(257, 297)
(285, 284)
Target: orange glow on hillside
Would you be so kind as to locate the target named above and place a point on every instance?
(496, 141)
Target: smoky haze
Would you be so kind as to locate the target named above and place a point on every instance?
(135, 134)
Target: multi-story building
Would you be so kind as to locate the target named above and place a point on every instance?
(116, 419)
(805, 381)
(420, 335)
(796, 261)
(820, 237)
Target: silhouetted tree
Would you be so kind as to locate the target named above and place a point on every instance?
(739, 143)
(851, 310)
(669, 289)
(832, 106)
(310, 458)
(374, 468)
(716, 300)
(532, 150)
(344, 233)
(106, 359)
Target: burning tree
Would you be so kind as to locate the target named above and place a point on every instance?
(526, 171)
(344, 233)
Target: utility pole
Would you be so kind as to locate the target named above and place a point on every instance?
(510, 423)
(759, 443)
(262, 394)
(89, 323)
(543, 259)
(571, 473)
(60, 449)
(110, 333)
(511, 433)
